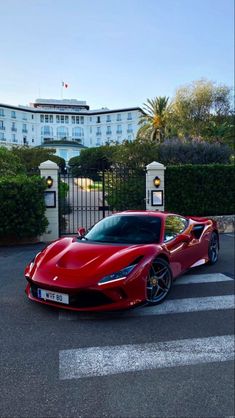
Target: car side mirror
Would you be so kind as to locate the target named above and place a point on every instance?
(81, 232)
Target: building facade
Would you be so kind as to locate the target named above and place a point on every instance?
(66, 125)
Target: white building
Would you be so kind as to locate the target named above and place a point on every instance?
(66, 125)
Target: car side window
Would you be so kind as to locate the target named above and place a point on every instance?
(174, 225)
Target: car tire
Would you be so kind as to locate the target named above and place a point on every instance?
(213, 249)
(159, 281)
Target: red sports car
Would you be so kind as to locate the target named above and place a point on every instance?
(124, 260)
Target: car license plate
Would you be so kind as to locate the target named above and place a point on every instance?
(53, 296)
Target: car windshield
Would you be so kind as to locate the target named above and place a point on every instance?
(131, 229)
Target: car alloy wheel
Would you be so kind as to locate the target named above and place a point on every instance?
(213, 251)
(159, 281)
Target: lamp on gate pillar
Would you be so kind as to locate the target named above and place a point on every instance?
(157, 181)
(49, 182)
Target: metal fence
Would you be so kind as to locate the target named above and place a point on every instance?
(86, 199)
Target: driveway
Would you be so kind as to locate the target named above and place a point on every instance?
(173, 360)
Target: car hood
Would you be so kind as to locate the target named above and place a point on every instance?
(71, 261)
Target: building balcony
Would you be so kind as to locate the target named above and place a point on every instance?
(98, 133)
(130, 131)
(2, 128)
(2, 139)
(119, 132)
(24, 131)
(2, 115)
(14, 129)
(13, 116)
(108, 133)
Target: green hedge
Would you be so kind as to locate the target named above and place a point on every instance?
(22, 206)
(200, 189)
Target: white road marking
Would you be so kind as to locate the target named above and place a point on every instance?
(172, 306)
(202, 278)
(108, 360)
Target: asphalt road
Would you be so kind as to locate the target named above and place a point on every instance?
(36, 341)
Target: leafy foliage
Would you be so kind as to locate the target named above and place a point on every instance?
(31, 158)
(10, 164)
(154, 119)
(200, 189)
(22, 206)
(91, 158)
(193, 152)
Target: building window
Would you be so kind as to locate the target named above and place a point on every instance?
(25, 142)
(42, 118)
(62, 132)
(108, 132)
(32, 116)
(90, 118)
(98, 131)
(90, 129)
(2, 125)
(66, 118)
(24, 116)
(75, 119)
(13, 138)
(82, 120)
(78, 133)
(32, 128)
(24, 129)
(98, 119)
(2, 138)
(129, 116)
(47, 132)
(13, 114)
(57, 119)
(119, 129)
(108, 119)
(129, 128)
(1, 112)
(13, 127)
(32, 139)
(119, 118)
(129, 137)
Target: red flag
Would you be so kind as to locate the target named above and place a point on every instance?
(65, 85)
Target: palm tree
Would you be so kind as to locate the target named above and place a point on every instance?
(153, 120)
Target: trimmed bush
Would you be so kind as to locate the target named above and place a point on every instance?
(22, 207)
(193, 152)
(200, 189)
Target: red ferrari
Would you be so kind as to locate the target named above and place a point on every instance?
(124, 260)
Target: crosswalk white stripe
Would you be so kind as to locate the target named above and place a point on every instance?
(101, 361)
(172, 306)
(202, 278)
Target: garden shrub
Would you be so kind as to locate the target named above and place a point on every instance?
(22, 206)
(193, 152)
(200, 189)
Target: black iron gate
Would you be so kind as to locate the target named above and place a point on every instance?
(86, 199)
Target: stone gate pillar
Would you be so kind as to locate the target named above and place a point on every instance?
(155, 192)
(49, 170)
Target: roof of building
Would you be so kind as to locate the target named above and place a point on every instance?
(62, 143)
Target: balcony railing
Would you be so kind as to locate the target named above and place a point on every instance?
(2, 139)
(14, 129)
(13, 116)
(2, 128)
(98, 133)
(108, 132)
(24, 131)
(119, 132)
(130, 131)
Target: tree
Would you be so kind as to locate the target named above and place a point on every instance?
(92, 160)
(31, 158)
(10, 164)
(154, 119)
(199, 106)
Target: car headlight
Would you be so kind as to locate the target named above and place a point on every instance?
(32, 262)
(119, 275)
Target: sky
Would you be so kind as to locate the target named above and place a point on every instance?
(112, 53)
